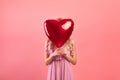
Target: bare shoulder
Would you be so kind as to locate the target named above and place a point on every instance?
(46, 41)
(72, 41)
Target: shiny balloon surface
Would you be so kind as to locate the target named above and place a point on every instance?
(58, 31)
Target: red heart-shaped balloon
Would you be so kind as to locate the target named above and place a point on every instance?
(58, 31)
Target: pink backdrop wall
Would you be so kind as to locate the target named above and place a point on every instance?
(96, 33)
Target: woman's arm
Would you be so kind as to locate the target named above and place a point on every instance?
(48, 59)
(72, 59)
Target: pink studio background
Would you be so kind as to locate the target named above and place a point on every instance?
(96, 33)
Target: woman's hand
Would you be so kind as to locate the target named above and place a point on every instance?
(55, 53)
(62, 51)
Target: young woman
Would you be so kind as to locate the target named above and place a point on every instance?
(60, 59)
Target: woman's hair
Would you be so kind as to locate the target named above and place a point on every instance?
(59, 19)
(52, 46)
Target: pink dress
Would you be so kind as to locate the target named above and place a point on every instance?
(60, 68)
